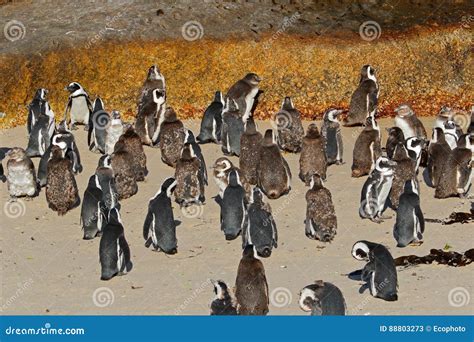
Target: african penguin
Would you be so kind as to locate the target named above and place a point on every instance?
(367, 149)
(444, 114)
(244, 92)
(222, 167)
(223, 303)
(232, 128)
(233, 208)
(250, 143)
(36, 107)
(321, 220)
(273, 173)
(79, 106)
(99, 120)
(21, 177)
(376, 189)
(172, 135)
(322, 299)
(159, 228)
(450, 134)
(41, 132)
(113, 132)
(211, 123)
(114, 252)
(105, 176)
(251, 287)
(122, 165)
(438, 149)
(364, 100)
(404, 170)
(190, 184)
(407, 121)
(93, 211)
(261, 230)
(154, 80)
(313, 155)
(133, 145)
(150, 116)
(331, 132)
(189, 139)
(410, 223)
(72, 151)
(290, 130)
(379, 273)
(3, 152)
(395, 136)
(415, 147)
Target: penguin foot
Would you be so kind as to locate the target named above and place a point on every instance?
(416, 243)
(376, 219)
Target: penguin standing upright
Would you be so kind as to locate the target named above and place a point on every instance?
(404, 170)
(222, 167)
(72, 151)
(261, 230)
(376, 189)
(159, 228)
(133, 145)
(444, 114)
(313, 156)
(367, 149)
(172, 137)
(35, 108)
(41, 132)
(114, 131)
(364, 100)
(410, 224)
(322, 299)
(122, 162)
(114, 252)
(244, 92)
(407, 121)
(290, 130)
(61, 188)
(189, 139)
(190, 185)
(450, 134)
(150, 115)
(395, 136)
(233, 208)
(106, 178)
(3, 153)
(98, 123)
(222, 303)
(79, 106)
(211, 123)
(232, 128)
(250, 143)
(93, 211)
(21, 177)
(154, 80)
(379, 272)
(331, 132)
(321, 220)
(251, 287)
(437, 149)
(273, 173)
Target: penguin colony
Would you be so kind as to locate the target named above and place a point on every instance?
(245, 192)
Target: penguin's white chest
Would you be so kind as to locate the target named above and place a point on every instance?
(404, 125)
(80, 110)
(113, 134)
(249, 100)
(21, 181)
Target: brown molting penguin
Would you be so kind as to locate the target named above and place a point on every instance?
(222, 167)
(250, 143)
(405, 170)
(189, 183)
(395, 136)
(122, 165)
(273, 173)
(172, 135)
(133, 145)
(313, 155)
(367, 149)
(61, 188)
(438, 149)
(290, 131)
(21, 177)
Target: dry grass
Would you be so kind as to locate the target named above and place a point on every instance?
(427, 68)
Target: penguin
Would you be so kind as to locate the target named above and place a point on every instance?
(99, 120)
(42, 131)
(21, 177)
(35, 108)
(251, 287)
(159, 228)
(221, 169)
(364, 100)
(172, 137)
(321, 220)
(410, 223)
(407, 121)
(290, 130)
(415, 147)
(376, 189)
(261, 230)
(190, 185)
(106, 178)
(233, 208)
(331, 132)
(3, 152)
(211, 123)
(154, 81)
(232, 128)
(367, 149)
(61, 188)
(322, 299)
(113, 132)
(79, 106)
(250, 143)
(273, 173)
(244, 92)
(133, 145)
(72, 151)
(223, 303)
(404, 170)
(150, 116)
(470, 129)
(114, 252)
(313, 155)
(93, 211)
(395, 136)
(122, 165)
(450, 134)
(438, 149)
(444, 114)
(456, 176)
(379, 273)
(189, 139)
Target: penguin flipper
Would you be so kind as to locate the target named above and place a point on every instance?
(126, 253)
(146, 226)
(421, 219)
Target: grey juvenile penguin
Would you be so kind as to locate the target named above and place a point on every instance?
(232, 128)
(21, 177)
(244, 93)
(313, 155)
(222, 167)
(290, 130)
(407, 121)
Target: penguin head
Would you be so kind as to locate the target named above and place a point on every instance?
(269, 138)
(257, 195)
(361, 250)
(234, 178)
(404, 111)
(316, 182)
(221, 289)
(16, 153)
(332, 114)
(218, 97)
(74, 87)
(449, 125)
(312, 132)
(287, 104)
(445, 112)
(400, 152)
(250, 252)
(189, 137)
(105, 161)
(41, 94)
(437, 135)
(371, 123)
(114, 216)
(396, 133)
(168, 186)
(367, 73)
(464, 141)
(385, 165)
(58, 141)
(98, 105)
(252, 79)
(308, 301)
(115, 115)
(410, 186)
(159, 96)
(222, 164)
(170, 115)
(414, 146)
(154, 74)
(187, 153)
(250, 126)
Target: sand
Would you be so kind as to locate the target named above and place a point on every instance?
(48, 269)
